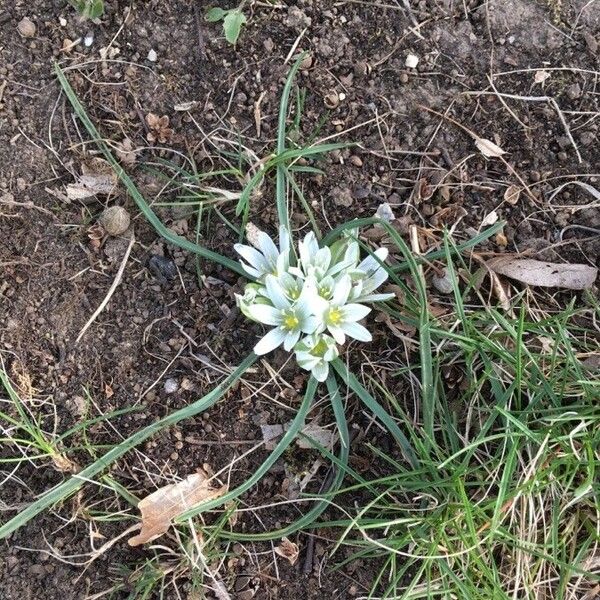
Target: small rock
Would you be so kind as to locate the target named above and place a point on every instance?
(443, 282)
(342, 197)
(171, 386)
(115, 220)
(306, 63)
(412, 60)
(26, 27)
(587, 138)
(574, 91)
(356, 160)
(591, 42)
(152, 56)
(563, 141)
(88, 40)
(385, 213)
(562, 157)
(403, 77)
(269, 45)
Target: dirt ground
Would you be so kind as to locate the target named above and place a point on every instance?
(162, 342)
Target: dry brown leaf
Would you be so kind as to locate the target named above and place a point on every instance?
(490, 219)
(488, 148)
(500, 292)
(545, 274)
(97, 177)
(541, 76)
(288, 550)
(65, 465)
(318, 434)
(512, 193)
(165, 504)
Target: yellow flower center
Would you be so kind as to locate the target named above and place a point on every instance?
(334, 317)
(291, 322)
(319, 349)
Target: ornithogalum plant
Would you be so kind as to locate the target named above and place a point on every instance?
(313, 299)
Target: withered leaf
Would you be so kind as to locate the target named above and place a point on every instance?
(97, 178)
(288, 550)
(512, 193)
(545, 274)
(165, 504)
(488, 148)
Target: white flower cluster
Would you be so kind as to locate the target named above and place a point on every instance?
(317, 295)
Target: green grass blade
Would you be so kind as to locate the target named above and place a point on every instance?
(283, 444)
(378, 410)
(131, 187)
(71, 485)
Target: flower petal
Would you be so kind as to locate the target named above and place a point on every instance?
(337, 333)
(263, 313)
(270, 341)
(267, 247)
(354, 312)
(276, 293)
(252, 256)
(375, 297)
(320, 371)
(371, 263)
(310, 324)
(291, 339)
(341, 291)
(357, 331)
(375, 280)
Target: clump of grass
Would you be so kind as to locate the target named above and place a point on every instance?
(506, 502)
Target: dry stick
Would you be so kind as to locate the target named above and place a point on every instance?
(548, 99)
(111, 291)
(475, 138)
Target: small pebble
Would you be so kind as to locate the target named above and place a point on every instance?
(412, 60)
(171, 386)
(562, 157)
(88, 40)
(26, 27)
(115, 220)
(443, 282)
(152, 56)
(403, 77)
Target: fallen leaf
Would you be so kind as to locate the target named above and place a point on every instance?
(541, 76)
(545, 274)
(490, 219)
(97, 178)
(288, 550)
(319, 434)
(64, 464)
(512, 193)
(165, 504)
(385, 212)
(185, 106)
(488, 148)
(500, 292)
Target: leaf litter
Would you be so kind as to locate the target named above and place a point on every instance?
(160, 508)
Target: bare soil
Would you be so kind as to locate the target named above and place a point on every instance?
(412, 152)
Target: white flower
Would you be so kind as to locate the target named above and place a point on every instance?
(290, 319)
(370, 275)
(265, 259)
(314, 353)
(339, 318)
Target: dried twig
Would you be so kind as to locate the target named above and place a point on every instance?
(111, 291)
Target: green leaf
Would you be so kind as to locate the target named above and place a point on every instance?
(232, 25)
(215, 14)
(90, 9)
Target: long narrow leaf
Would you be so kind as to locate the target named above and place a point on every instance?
(131, 187)
(70, 486)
